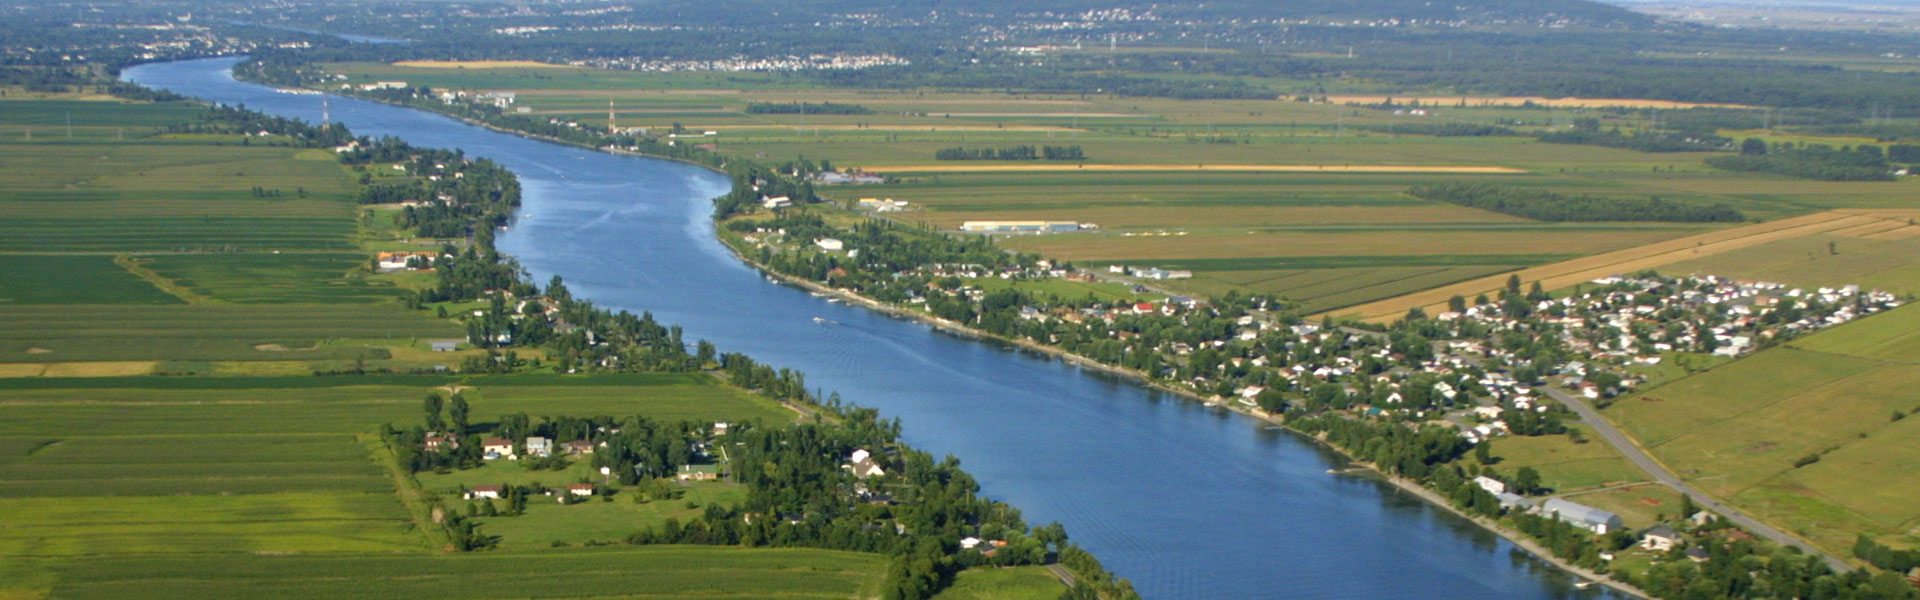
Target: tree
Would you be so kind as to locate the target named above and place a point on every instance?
(459, 411)
(1526, 481)
(1457, 303)
(1753, 147)
(1483, 453)
(432, 405)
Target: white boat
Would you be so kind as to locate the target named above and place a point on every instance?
(1582, 584)
(819, 320)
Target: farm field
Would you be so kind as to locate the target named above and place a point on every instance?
(127, 249)
(1014, 583)
(220, 469)
(1801, 435)
(1641, 257)
(653, 571)
(1253, 179)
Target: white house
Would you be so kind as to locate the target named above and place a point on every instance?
(1491, 485)
(493, 447)
(830, 244)
(1659, 539)
(490, 492)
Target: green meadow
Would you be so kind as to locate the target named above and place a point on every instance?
(1744, 431)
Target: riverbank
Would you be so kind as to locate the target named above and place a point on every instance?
(1414, 488)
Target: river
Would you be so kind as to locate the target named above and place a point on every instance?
(1187, 501)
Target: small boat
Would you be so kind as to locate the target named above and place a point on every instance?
(819, 320)
(1582, 584)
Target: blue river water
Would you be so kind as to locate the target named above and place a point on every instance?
(1187, 501)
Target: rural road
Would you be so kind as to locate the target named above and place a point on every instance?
(1660, 474)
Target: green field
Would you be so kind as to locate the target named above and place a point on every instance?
(73, 279)
(1737, 431)
(274, 278)
(215, 470)
(655, 571)
(1016, 583)
(276, 332)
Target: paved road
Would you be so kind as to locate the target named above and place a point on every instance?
(1660, 474)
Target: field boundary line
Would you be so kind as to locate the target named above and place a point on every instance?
(125, 261)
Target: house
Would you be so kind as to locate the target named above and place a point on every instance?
(491, 492)
(444, 345)
(1580, 515)
(830, 244)
(720, 428)
(1491, 485)
(436, 442)
(580, 489)
(539, 447)
(777, 202)
(865, 467)
(1021, 226)
(1701, 518)
(1660, 538)
(493, 447)
(698, 473)
(859, 454)
(578, 447)
(1697, 554)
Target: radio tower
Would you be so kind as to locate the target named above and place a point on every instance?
(326, 113)
(611, 129)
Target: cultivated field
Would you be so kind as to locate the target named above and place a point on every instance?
(194, 474)
(1745, 431)
(1642, 257)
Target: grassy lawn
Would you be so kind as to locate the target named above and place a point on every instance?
(546, 522)
(1564, 466)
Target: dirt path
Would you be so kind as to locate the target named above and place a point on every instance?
(1232, 168)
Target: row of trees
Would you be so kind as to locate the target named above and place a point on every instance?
(1011, 153)
(806, 108)
(1549, 206)
(1809, 161)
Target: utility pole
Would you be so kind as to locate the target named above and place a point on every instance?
(326, 112)
(611, 128)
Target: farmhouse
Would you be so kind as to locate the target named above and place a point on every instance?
(1020, 226)
(580, 489)
(1660, 538)
(698, 473)
(578, 447)
(876, 205)
(493, 447)
(444, 345)
(483, 491)
(436, 442)
(1580, 515)
(539, 447)
(400, 261)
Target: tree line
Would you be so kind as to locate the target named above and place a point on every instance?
(1011, 153)
(805, 108)
(1809, 161)
(1543, 205)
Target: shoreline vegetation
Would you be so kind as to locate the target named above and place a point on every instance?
(1430, 497)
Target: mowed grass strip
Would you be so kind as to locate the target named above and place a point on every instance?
(73, 279)
(314, 522)
(278, 332)
(140, 234)
(649, 571)
(274, 278)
